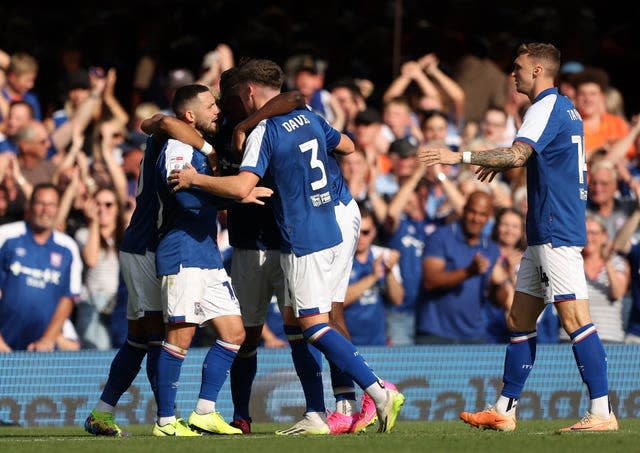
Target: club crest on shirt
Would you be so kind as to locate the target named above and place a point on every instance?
(21, 251)
(55, 259)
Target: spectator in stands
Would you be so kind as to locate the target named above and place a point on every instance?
(18, 189)
(402, 153)
(435, 91)
(40, 276)
(493, 128)
(601, 128)
(434, 125)
(309, 80)
(508, 232)
(368, 136)
(399, 120)
(566, 79)
(375, 279)
(20, 113)
(607, 281)
(99, 244)
(107, 146)
(459, 275)
(602, 200)
(33, 143)
(408, 229)
(360, 178)
(21, 75)
(346, 102)
(625, 244)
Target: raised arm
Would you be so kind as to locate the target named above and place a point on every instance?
(618, 151)
(398, 202)
(430, 63)
(411, 72)
(110, 100)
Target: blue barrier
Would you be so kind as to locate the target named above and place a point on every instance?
(40, 389)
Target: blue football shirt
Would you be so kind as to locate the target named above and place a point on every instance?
(187, 218)
(33, 278)
(142, 233)
(556, 171)
(289, 152)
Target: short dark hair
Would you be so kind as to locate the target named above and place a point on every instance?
(43, 186)
(262, 72)
(228, 79)
(184, 95)
(348, 83)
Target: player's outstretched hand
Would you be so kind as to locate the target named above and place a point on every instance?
(438, 155)
(182, 178)
(255, 195)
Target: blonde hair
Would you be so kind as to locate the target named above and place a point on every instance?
(22, 63)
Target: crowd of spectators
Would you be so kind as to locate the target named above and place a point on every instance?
(438, 251)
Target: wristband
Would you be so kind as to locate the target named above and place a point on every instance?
(466, 157)
(206, 149)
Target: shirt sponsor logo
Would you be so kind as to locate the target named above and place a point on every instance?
(36, 278)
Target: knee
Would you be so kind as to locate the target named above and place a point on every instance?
(237, 336)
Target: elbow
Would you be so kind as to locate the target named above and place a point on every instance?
(243, 192)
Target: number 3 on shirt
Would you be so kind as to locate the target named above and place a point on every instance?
(312, 145)
(582, 162)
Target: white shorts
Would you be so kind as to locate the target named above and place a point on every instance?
(348, 217)
(256, 276)
(196, 295)
(308, 286)
(552, 274)
(143, 286)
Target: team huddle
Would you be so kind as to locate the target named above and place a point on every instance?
(300, 248)
(294, 227)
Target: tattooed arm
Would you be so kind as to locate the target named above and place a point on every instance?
(501, 158)
(491, 161)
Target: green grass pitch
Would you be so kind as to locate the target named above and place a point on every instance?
(450, 436)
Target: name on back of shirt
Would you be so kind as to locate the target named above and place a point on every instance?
(295, 122)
